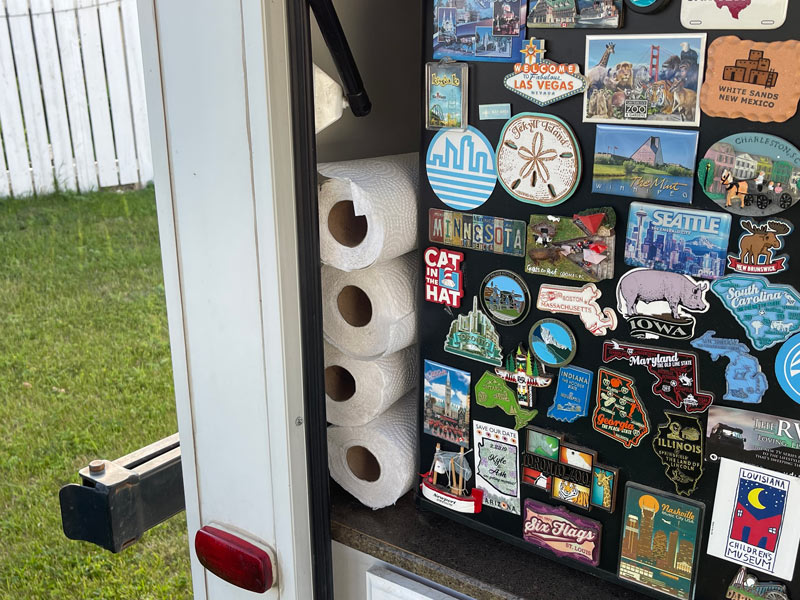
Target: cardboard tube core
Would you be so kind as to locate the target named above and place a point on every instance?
(339, 383)
(354, 306)
(363, 463)
(345, 226)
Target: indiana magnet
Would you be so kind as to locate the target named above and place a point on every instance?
(787, 367)
(543, 81)
(674, 371)
(505, 297)
(445, 483)
(583, 14)
(524, 371)
(571, 401)
(460, 167)
(660, 304)
(538, 159)
(446, 403)
(491, 391)
(565, 534)
(746, 586)
(443, 283)
(552, 342)
(619, 412)
(476, 232)
(581, 301)
(751, 174)
(758, 248)
(678, 443)
(733, 14)
(743, 376)
(756, 81)
(769, 312)
(580, 247)
(473, 336)
(446, 106)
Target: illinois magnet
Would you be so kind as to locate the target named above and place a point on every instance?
(733, 14)
(552, 342)
(505, 297)
(678, 443)
(543, 81)
(538, 159)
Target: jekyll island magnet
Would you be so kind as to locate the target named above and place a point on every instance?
(565, 534)
(538, 159)
(552, 342)
(758, 248)
(473, 336)
(443, 283)
(746, 586)
(733, 14)
(543, 81)
(491, 391)
(678, 443)
(743, 376)
(571, 401)
(505, 297)
(446, 403)
(581, 301)
(619, 412)
(787, 367)
(606, 14)
(751, 174)
(659, 304)
(447, 104)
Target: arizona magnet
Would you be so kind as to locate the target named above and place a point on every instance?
(733, 14)
(538, 159)
(743, 376)
(543, 81)
(505, 297)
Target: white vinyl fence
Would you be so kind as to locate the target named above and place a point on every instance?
(72, 105)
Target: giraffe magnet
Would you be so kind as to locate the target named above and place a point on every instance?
(543, 81)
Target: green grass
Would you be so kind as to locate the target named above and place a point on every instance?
(615, 171)
(84, 373)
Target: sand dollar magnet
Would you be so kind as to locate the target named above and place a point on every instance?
(538, 159)
(552, 342)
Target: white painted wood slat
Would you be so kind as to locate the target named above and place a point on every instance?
(133, 58)
(75, 90)
(117, 77)
(94, 72)
(53, 92)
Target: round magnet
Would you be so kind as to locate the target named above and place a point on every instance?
(505, 297)
(552, 342)
(646, 6)
(786, 367)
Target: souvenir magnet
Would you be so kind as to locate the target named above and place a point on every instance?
(743, 376)
(543, 81)
(603, 14)
(769, 312)
(751, 174)
(580, 301)
(465, 30)
(452, 494)
(753, 80)
(733, 14)
(682, 240)
(646, 6)
(644, 162)
(675, 373)
(678, 443)
(619, 412)
(604, 487)
(754, 438)
(538, 159)
(565, 534)
(552, 342)
(661, 540)
(581, 247)
(477, 232)
(758, 247)
(571, 401)
(787, 367)
(443, 277)
(491, 391)
(496, 470)
(488, 112)
(506, 19)
(755, 521)
(659, 304)
(746, 586)
(505, 297)
(446, 403)
(460, 167)
(447, 105)
(473, 335)
(523, 370)
(649, 79)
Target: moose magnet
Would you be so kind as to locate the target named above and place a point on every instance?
(758, 247)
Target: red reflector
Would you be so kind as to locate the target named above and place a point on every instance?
(233, 559)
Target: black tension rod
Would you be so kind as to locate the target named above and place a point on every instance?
(334, 37)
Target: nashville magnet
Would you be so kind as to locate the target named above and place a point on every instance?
(743, 376)
(658, 304)
(733, 14)
(564, 534)
(769, 312)
(505, 297)
(678, 443)
(538, 159)
(552, 342)
(524, 371)
(473, 336)
(543, 81)
(581, 301)
(619, 412)
(491, 391)
(443, 283)
(571, 401)
(674, 371)
(758, 248)
(477, 232)
(746, 586)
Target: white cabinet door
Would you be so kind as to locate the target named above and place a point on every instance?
(383, 584)
(217, 85)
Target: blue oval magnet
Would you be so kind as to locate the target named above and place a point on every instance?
(787, 367)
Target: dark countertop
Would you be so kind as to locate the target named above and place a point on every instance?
(458, 557)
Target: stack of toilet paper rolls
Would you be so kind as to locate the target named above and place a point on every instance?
(368, 238)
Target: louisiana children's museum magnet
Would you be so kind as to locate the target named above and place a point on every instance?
(538, 159)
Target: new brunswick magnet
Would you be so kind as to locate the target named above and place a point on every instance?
(505, 297)
(751, 174)
(538, 159)
(552, 342)
(443, 284)
(473, 335)
(733, 14)
(581, 301)
(678, 443)
(619, 412)
(571, 401)
(565, 534)
(758, 247)
(543, 81)
(743, 376)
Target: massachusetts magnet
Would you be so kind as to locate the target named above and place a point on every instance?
(552, 342)
(571, 401)
(538, 159)
(743, 376)
(505, 297)
(733, 14)
(758, 248)
(473, 335)
(581, 301)
(787, 367)
(543, 81)
(619, 412)
(446, 403)
(678, 443)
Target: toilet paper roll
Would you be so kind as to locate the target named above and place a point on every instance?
(368, 210)
(357, 391)
(371, 313)
(377, 461)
